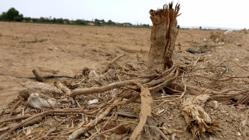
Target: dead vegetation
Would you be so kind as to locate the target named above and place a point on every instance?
(127, 101)
(163, 36)
(54, 111)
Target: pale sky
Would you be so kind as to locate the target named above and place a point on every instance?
(211, 13)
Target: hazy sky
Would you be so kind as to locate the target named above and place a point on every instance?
(212, 13)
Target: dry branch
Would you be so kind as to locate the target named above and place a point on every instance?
(42, 75)
(37, 117)
(4, 129)
(94, 122)
(116, 128)
(161, 78)
(112, 62)
(63, 88)
(146, 102)
(85, 91)
(15, 118)
(165, 81)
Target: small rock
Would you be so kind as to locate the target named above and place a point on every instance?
(94, 101)
(195, 50)
(39, 102)
(214, 104)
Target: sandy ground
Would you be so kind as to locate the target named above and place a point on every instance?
(58, 47)
(68, 49)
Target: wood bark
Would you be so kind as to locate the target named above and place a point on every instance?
(163, 36)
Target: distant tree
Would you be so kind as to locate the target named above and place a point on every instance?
(66, 21)
(98, 22)
(12, 15)
(110, 22)
(81, 22)
(44, 20)
(59, 20)
(27, 19)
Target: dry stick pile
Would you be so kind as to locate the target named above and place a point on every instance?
(65, 110)
(62, 113)
(41, 105)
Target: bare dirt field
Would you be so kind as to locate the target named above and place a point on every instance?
(219, 58)
(58, 47)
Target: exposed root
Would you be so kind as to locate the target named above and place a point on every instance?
(112, 62)
(111, 86)
(146, 102)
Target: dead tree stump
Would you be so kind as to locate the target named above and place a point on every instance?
(163, 36)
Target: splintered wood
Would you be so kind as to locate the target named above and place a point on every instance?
(163, 36)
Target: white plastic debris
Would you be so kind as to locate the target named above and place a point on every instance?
(38, 102)
(94, 101)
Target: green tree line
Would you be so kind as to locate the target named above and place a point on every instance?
(14, 15)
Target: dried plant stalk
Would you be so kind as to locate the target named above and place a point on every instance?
(198, 121)
(163, 36)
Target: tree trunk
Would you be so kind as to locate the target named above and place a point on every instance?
(163, 36)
